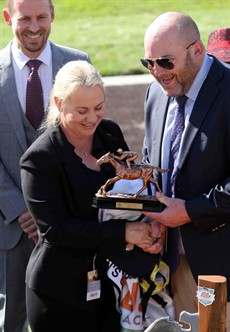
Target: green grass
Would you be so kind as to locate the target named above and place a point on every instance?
(112, 31)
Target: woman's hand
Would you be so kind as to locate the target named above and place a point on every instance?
(158, 234)
(28, 225)
(138, 232)
(150, 236)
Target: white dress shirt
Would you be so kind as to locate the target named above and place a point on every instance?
(21, 71)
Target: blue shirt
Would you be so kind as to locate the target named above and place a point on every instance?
(192, 95)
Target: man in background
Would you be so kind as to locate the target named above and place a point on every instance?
(31, 24)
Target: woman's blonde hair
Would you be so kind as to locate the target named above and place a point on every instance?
(72, 75)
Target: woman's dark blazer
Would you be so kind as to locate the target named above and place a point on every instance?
(59, 191)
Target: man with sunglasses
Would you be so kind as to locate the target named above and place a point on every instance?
(197, 210)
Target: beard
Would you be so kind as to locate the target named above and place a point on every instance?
(183, 78)
(187, 75)
(30, 47)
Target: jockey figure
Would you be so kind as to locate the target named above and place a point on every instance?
(126, 156)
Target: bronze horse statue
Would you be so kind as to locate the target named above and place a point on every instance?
(144, 171)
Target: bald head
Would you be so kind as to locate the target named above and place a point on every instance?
(175, 38)
(175, 26)
(10, 4)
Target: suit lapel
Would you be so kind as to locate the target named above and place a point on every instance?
(160, 104)
(58, 58)
(201, 107)
(160, 123)
(65, 152)
(12, 105)
(75, 175)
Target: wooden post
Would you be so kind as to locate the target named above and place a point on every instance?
(212, 303)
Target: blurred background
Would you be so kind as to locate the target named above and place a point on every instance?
(112, 32)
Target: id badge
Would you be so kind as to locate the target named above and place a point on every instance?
(93, 286)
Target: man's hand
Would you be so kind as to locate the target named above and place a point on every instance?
(28, 225)
(174, 213)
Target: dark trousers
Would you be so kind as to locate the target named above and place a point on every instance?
(47, 315)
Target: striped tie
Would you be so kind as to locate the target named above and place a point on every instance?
(177, 131)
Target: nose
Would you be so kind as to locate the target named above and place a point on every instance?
(156, 70)
(92, 116)
(34, 26)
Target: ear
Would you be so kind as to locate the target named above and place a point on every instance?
(7, 17)
(52, 13)
(198, 48)
(58, 103)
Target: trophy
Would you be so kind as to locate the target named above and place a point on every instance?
(127, 171)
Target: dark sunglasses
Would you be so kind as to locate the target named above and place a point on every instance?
(165, 63)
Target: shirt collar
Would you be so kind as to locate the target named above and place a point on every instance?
(200, 78)
(21, 59)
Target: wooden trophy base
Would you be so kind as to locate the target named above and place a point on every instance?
(128, 202)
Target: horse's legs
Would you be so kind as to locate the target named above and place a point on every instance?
(160, 170)
(145, 181)
(102, 190)
(156, 183)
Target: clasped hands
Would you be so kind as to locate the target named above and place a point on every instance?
(149, 236)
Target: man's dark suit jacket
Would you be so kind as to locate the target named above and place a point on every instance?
(204, 170)
(59, 190)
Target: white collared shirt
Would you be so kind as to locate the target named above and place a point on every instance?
(21, 71)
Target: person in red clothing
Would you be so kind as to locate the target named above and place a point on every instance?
(219, 44)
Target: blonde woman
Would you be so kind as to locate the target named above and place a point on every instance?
(67, 284)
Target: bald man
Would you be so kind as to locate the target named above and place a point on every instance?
(197, 196)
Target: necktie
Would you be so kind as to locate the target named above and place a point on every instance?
(172, 256)
(177, 131)
(34, 95)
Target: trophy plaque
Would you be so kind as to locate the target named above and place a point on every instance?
(135, 194)
(128, 202)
